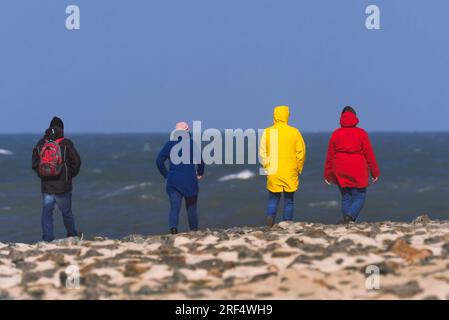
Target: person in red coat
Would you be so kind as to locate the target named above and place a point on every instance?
(350, 159)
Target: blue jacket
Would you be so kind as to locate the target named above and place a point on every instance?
(182, 177)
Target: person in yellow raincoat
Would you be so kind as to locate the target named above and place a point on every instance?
(282, 153)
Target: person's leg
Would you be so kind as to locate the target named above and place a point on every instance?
(175, 207)
(288, 206)
(346, 201)
(272, 207)
(64, 202)
(273, 202)
(358, 201)
(191, 206)
(48, 201)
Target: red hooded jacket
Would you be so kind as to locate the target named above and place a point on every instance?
(350, 155)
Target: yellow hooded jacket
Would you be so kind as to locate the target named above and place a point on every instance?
(282, 153)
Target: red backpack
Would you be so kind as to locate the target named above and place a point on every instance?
(51, 159)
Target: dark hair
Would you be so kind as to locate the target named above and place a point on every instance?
(349, 109)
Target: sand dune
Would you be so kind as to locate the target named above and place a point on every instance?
(290, 261)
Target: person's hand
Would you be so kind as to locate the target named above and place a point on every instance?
(328, 182)
(375, 179)
(199, 177)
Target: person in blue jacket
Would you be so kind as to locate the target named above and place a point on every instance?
(182, 181)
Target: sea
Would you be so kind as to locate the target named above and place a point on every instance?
(119, 190)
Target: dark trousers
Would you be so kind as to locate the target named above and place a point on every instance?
(352, 201)
(175, 207)
(273, 202)
(64, 203)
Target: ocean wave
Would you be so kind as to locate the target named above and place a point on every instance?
(126, 189)
(242, 175)
(426, 189)
(5, 152)
(135, 186)
(323, 204)
(149, 197)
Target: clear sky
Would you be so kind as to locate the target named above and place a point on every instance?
(142, 65)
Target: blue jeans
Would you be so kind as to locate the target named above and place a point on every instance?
(273, 201)
(175, 207)
(64, 203)
(352, 201)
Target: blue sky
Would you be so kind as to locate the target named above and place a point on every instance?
(142, 65)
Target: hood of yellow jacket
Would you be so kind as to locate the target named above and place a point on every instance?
(281, 114)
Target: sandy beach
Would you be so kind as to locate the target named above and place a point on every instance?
(290, 261)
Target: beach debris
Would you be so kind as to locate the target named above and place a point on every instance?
(135, 238)
(407, 252)
(99, 239)
(422, 219)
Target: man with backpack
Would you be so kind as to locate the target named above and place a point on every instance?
(56, 162)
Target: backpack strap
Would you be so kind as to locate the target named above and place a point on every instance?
(58, 141)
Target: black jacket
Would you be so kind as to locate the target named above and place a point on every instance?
(62, 183)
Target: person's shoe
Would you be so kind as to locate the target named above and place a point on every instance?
(346, 220)
(173, 231)
(270, 221)
(79, 235)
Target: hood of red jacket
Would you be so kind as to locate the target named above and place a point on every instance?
(348, 120)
